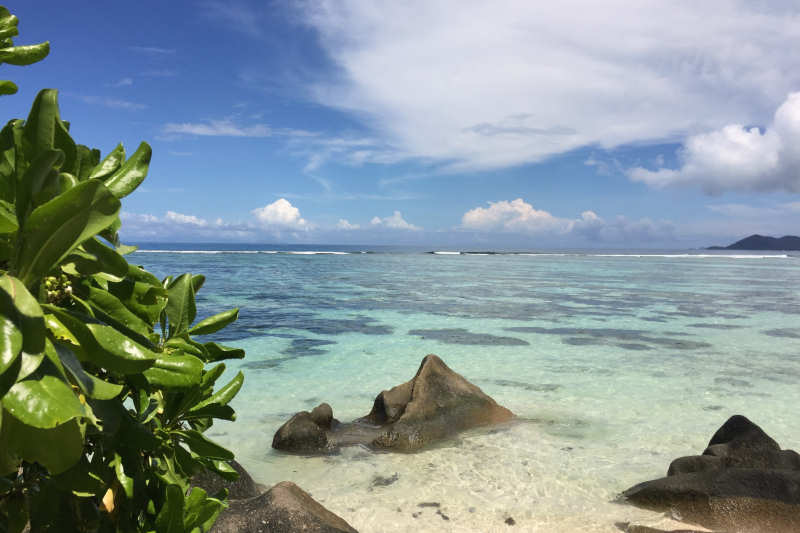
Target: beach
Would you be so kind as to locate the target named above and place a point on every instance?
(614, 362)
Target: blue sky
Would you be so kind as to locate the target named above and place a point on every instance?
(435, 123)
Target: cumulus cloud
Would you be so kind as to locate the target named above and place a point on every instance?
(518, 216)
(344, 224)
(180, 227)
(492, 84)
(738, 158)
(513, 216)
(281, 214)
(396, 221)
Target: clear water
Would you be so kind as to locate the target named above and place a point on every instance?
(614, 365)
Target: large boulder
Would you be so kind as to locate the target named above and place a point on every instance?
(433, 405)
(743, 482)
(285, 508)
(243, 487)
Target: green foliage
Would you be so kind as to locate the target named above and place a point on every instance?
(16, 55)
(104, 393)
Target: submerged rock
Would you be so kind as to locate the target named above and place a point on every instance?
(436, 403)
(285, 508)
(742, 482)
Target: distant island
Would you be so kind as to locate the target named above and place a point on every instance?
(760, 242)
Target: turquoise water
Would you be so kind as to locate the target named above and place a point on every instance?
(613, 363)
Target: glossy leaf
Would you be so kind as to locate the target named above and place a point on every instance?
(125, 180)
(34, 180)
(201, 445)
(225, 394)
(24, 55)
(20, 306)
(109, 304)
(41, 122)
(124, 480)
(180, 308)
(10, 342)
(218, 352)
(175, 371)
(57, 227)
(110, 164)
(215, 323)
(43, 403)
(91, 386)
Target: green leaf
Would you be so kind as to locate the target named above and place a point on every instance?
(40, 125)
(24, 55)
(10, 342)
(201, 445)
(35, 179)
(105, 346)
(125, 180)
(112, 263)
(43, 403)
(124, 480)
(8, 218)
(57, 227)
(175, 371)
(215, 323)
(110, 164)
(180, 308)
(20, 306)
(109, 304)
(218, 352)
(91, 386)
(225, 394)
(8, 87)
(170, 518)
(57, 449)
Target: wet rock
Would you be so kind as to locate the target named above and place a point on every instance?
(510, 521)
(301, 434)
(743, 482)
(243, 487)
(433, 405)
(322, 415)
(380, 481)
(285, 508)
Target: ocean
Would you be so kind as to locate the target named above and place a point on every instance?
(614, 362)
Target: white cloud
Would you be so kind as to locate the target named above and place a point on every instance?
(491, 84)
(737, 158)
(155, 50)
(514, 216)
(520, 217)
(113, 103)
(281, 214)
(192, 220)
(344, 224)
(396, 221)
(123, 82)
(217, 128)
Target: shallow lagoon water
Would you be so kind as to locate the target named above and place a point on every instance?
(613, 363)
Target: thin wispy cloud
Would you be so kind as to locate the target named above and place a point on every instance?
(491, 85)
(113, 103)
(233, 15)
(122, 82)
(155, 50)
(230, 128)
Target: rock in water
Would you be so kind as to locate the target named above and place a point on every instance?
(301, 434)
(433, 405)
(743, 482)
(285, 508)
(212, 483)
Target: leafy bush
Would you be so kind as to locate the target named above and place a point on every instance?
(16, 55)
(104, 392)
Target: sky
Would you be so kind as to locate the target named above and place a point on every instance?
(438, 123)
